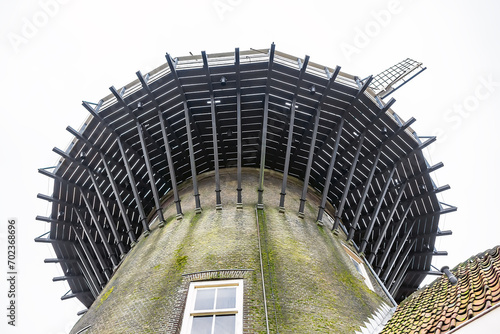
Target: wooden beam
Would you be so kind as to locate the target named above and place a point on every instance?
(107, 213)
(398, 251)
(399, 279)
(387, 222)
(239, 200)
(135, 191)
(188, 133)
(361, 202)
(340, 210)
(392, 282)
(290, 134)
(215, 129)
(168, 151)
(92, 281)
(99, 227)
(102, 280)
(326, 187)
(373, 217)
(141, 131)
(310, 159)
(388, 247)
(260, 200)
(119, 201)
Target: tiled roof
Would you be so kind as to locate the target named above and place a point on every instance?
(441, 306)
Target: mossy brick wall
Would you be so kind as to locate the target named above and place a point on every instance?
(311, 284)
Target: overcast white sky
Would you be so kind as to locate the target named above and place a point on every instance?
(56, 53)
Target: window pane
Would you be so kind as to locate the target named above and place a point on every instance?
(356, 264)
(204, 299)
(202, 325)
(225, 324)
(226, 298)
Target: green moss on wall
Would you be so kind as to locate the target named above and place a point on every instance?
(310, 286)
(105, 296)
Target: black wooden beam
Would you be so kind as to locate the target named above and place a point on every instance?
(398, 251)
(373, 217)
(290, 134)
(53, 241)
(57, 260)
(107, 213)
(391, 282)
(122, 146)
(380, 146)
(66, 278)
(92, 242)
(407, 156)
(141, 131)
(104, 123)
(188, 133)
(100, 149)
(433, 253)
(119, 201)
(260, 200)
(168, 151)
(432, 234)
(361, 202)
(425, 272)
(387, 222)
(92, 281)
(99, 227)
(100, 230)
(74, 295)
(349, 109)
(239, 201)
(317, 117)
(80, 164)
(326, 188)
(399, 279)
(422, 195)
(67, 225)
(101, 280)
(135, 191)
(390, 243)
(215, 130)
(340, 209)
(166, 122)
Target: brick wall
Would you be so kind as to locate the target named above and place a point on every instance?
(311, 284)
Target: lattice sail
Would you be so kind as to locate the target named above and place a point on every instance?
(394, 77)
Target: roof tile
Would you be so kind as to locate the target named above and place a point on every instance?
(441, 306)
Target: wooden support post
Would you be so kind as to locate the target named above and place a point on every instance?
(188, 133)
(387, 223)
(340, 208)
(290, 134)
(135, 191)
(149, 168)
(373, 217)
(168, 151)
(361, 202)
(100, 229)
(390, 243)
(239, 200)
(260, 199)
(326, 188)
(396, 254)
(215, 142)
(121, 206)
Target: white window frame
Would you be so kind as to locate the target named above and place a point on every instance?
(361, 266)
(190, 313)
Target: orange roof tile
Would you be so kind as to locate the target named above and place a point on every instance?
(441, 306)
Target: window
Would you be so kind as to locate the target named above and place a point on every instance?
(360, 267)
(214, 307)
